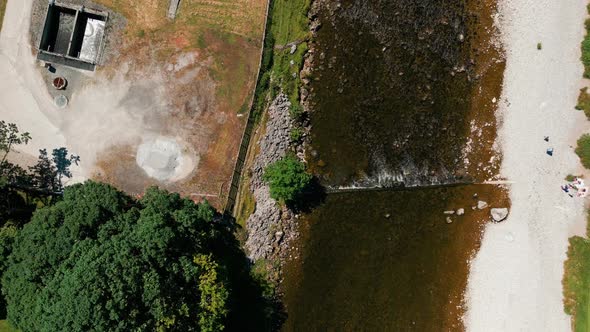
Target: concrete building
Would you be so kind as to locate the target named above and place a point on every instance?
(73, 36)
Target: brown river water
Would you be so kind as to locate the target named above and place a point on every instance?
(403, 95)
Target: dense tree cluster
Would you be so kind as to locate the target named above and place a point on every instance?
(98, 260)
(22, 189)
(91, 258)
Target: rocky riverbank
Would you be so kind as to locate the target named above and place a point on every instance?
(271, 227)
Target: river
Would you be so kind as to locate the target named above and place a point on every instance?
(403, 94)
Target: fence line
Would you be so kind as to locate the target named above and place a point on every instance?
(247, 135)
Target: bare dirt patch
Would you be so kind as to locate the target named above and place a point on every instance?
(184, 81)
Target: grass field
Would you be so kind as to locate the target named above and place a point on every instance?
(2, 11)
(229, 31)
(576, 283)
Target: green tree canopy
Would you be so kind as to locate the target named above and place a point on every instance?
(100, 261)
(287, 179)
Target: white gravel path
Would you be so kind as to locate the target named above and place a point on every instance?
(515, 279)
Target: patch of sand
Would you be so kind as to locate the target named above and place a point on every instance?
(162, 158)
(515, 278)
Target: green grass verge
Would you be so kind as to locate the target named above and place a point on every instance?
(576, 283)
(287, 23)
(576, 279)
(2, 11)
(583, 150)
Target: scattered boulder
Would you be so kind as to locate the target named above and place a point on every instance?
(450, 212)
(499, 214)
(482, 205)
(293, 49)
(449, 220)
(387, 215)
(279, 236)
(460, 211)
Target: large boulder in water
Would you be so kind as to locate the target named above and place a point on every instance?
(499, 214)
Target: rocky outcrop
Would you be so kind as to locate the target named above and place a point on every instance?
(270, 227)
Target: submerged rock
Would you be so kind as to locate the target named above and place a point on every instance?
(482, 205)
(460, 211)
(449, 220)
(499, 214)
(450, 212)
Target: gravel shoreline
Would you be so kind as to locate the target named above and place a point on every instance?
(515, 278)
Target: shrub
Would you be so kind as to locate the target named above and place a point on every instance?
(287, 179)
(539, 46)
(296, 112)
(296, 134)
(583, 150)
(571, 177)
(584, 102)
